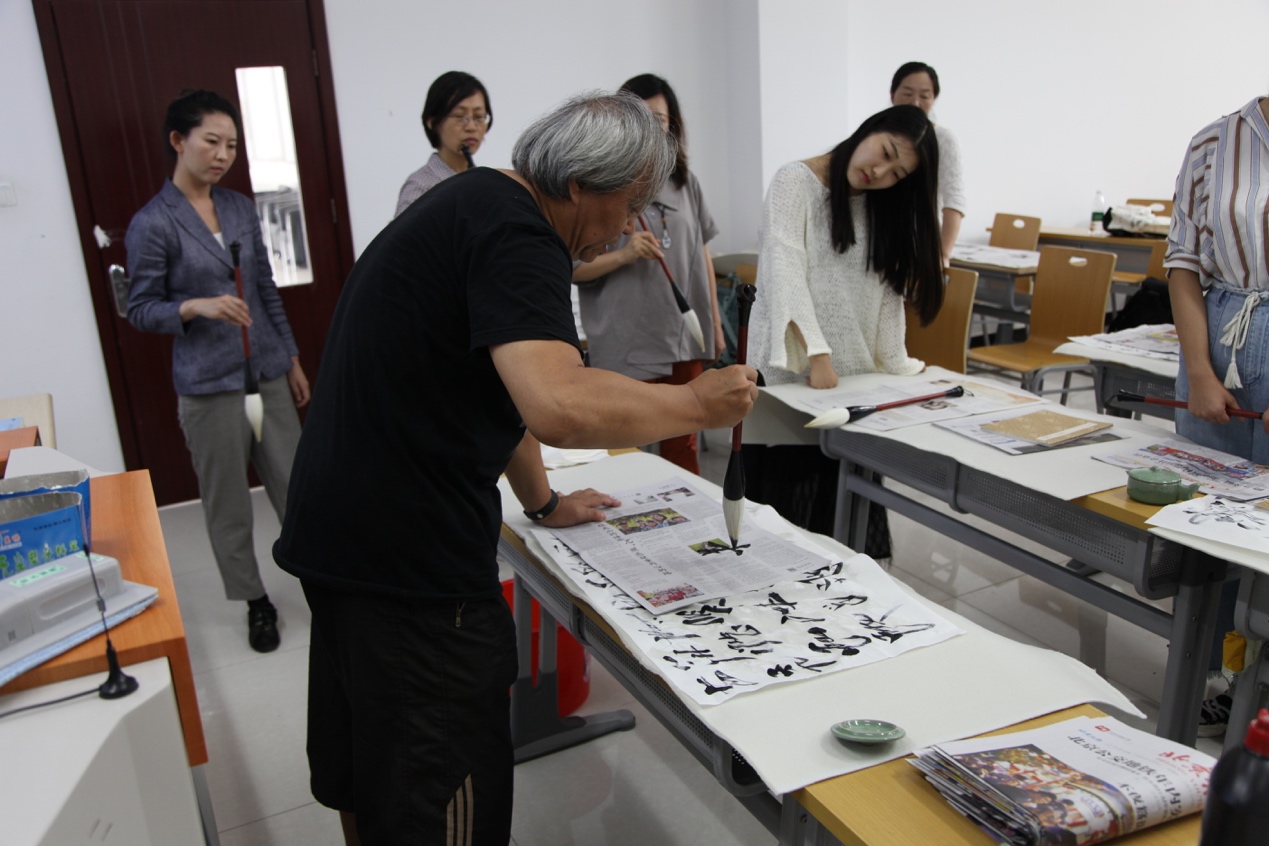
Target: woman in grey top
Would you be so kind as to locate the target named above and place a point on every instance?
(917, 84)
(456, 116)
(183, 284)
(632, 323)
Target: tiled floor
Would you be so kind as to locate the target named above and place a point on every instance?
(638, 787)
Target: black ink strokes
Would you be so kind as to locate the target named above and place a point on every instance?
(889, 632)
(824, 577)
(825, 643)
(785, 670)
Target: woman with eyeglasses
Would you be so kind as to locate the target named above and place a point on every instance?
(632, 323)
(847, 237)
(456, 116)
(917, 84)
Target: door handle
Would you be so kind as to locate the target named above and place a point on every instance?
(119, 283)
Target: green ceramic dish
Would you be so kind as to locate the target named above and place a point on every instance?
(867, 732)
(1157, 486)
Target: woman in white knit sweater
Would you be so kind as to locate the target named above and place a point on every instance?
(847, 237)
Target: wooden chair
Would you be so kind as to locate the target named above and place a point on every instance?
(35, 410)
(1071, 289)
(1014, 232)
(943, 343)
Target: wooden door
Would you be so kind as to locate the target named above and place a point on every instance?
(113, 66)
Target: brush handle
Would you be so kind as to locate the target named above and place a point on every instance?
(858, 412)
(234, 250)
(745, 296)
(1126, 396)
(679, 299)
(462, 148)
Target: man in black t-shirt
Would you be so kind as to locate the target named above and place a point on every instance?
(453, 334)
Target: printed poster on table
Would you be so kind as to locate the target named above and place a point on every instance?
(828, 617)
(1218, 473)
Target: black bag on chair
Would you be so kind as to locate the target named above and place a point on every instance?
(1149, 306)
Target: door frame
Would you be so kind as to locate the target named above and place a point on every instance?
(99, 286)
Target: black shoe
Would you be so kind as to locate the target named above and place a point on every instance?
(262, 626)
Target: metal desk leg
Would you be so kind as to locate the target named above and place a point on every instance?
(1193, 627)
(205, 812)
(537, 728)
(1251, 616)
(799, 827)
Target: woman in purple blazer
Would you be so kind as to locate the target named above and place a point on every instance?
(183, 284)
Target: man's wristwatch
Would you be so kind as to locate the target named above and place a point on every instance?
(545, 511)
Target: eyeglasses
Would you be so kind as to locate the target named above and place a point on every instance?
(477, 118)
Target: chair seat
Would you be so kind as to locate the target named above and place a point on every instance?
(1123, 277)
(1022, 358)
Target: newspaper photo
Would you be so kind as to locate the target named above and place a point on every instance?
(1217, 473)
(978, 399)
(667, 547)
(1080, 781)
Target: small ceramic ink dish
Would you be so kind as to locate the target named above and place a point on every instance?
(867, 732)
(1157, 486)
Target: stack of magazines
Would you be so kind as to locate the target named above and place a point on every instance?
(1080, 781)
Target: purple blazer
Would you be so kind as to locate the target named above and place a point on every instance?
(173, 257)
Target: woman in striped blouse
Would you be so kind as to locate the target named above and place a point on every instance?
(1218, 279)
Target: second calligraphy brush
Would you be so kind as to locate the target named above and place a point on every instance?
(841, 416)
(253, 403)
(690, 320)
(1126, 396)
(462, 148)
(734, 481)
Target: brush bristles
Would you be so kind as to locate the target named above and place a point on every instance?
(734, 514)
(693, 324)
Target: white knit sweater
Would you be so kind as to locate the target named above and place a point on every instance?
(841, 305)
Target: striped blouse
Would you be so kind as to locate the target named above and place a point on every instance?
(1220, 220)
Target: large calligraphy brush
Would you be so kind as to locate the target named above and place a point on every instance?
(734, 481)
(841, 416)
(690, 321)
(251, 399)
(1125, 396)
(462, 148)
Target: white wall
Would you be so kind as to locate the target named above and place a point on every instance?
(1050, 101)
(48, 333)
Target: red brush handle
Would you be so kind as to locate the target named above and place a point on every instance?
(665, 267)
(745, 296)
(1124, 396)
(233, 251)
(910, 401)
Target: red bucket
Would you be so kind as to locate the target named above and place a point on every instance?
(572, 664)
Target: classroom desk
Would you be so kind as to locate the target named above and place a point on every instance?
(891, 805)
(126, 527)
(997, 295)
(1134, 251)
(1115, 371)
(1099, 532)
(11, 439)
(844, 809)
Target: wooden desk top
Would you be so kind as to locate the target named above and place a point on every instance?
(891, 804)
(126, 527)
(27, 436)
(1077, 233)
(993, 268)
(1117, 504)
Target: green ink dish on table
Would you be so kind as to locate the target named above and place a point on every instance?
(867, 732)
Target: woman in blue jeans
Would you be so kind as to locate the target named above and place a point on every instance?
(1218, 279)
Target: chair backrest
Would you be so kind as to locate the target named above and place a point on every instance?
(1015, 232)
(35, 410)
(747, 272)
(1159, 207)
(944, 341)
(1071, 287)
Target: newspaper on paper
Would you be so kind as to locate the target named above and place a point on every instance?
(978, 399)
(1080, 781)
(997, 256)
(1218, 518)
(1217, 473)
(1153, 341)
(667, 547)
(973, 428)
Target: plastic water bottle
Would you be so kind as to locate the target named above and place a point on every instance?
(1237, 811)
(1099, 211)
